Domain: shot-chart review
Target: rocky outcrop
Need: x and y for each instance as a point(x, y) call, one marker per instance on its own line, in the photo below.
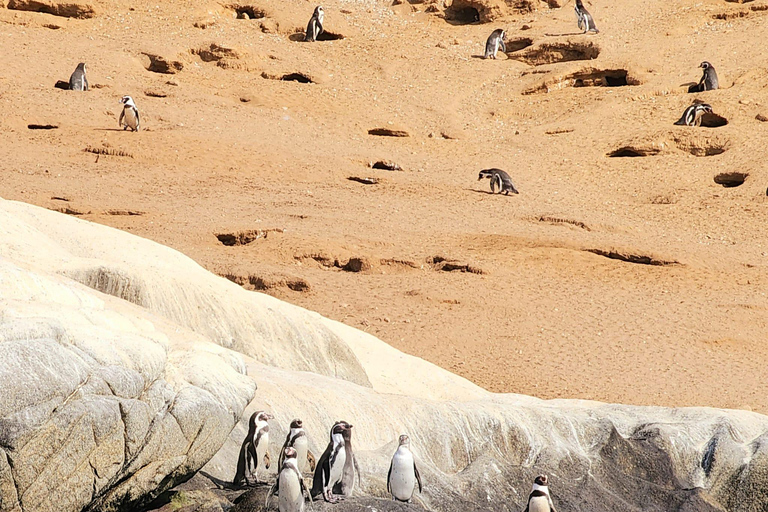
point(64, 9)
point(118, 379)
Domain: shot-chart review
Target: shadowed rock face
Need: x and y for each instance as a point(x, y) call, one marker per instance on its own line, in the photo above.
point(117, 381)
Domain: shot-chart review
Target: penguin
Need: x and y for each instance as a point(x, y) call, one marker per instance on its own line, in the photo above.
point(315, 25)
point(289, 485)
point(586, 22)
point(347, 484)
point(330, 467)
point(297, 439)
point(693, 114)
point(539, 500)
point(708, 80)
point(77, 81)
point(500, 180)
point(129, 117)
point(403, 474)
point(494, 42)
point(254, 448)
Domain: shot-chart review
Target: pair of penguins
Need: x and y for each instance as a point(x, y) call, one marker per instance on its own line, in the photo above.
point(337, 466)
point(129, 117)
point(496, 39)
point(692, 116)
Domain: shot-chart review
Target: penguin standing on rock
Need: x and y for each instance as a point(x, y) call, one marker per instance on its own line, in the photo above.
point(500, 180)
point(77, 81)
point(289, 485)
point(494, 42)
point(693, 114)
point(330, 467)
point(297, 439)
point(254, 448)
point(403, 474)
point(708, 80)
point(539, 500)
point(347, 484)
point(586, 22)
point(129, 117)
point(315, 25)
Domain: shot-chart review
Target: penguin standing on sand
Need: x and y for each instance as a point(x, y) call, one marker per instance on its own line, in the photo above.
point(586, 22)
point(693, 114)
point(77, 81)
point(709, 81)
point(347, 484)
point(494, 42)
point(315, 25)
point(330, 467)
point(403, 474)
point(500, 180)
point(129, 117)
point(539, 500)
point(254, 449)
point(289, 485)
point(297, 439)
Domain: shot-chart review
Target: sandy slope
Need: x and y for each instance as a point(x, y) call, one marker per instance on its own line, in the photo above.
point(227, 150)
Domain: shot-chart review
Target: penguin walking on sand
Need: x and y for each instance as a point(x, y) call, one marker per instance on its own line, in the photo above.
point(254, 449)
point(330, 467)
point(693, 114)
point(297, 439)
point(586, 22)
point(539, 499)
point(500, 180)
point(77, 80)
point(494, 42)
point(129, 117)
point(289, 486)
point(709, 81)
point(315, 25)
point(403, 474)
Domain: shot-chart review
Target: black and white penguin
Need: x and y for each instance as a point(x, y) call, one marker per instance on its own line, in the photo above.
point(494, 42)
point(347, 484)
point(315, 25)
point(289, 485)
point(708, 80)
point(77, 81)
point(253, 451)
point(403, 474)
point(297, 439)
point(330, 467)
point(586, 22)
point(539, 500)
point(500, 180)
point(129, 117)
point(692, 115)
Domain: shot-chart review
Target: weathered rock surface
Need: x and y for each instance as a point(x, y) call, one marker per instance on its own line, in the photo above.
point(64, 9)
point(104, 403)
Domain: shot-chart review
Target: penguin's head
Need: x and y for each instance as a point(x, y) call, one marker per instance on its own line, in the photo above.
point(81, 66)
point(541, 480)
point(319, 9)
point(297, 423)
point(290, 453)
point(264, 416)
point(484, 174)
point(127, 100)
point(705, 65)
point(405, 440)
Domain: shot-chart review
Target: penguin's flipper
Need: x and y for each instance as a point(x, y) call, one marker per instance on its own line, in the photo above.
point(311, 460)
point(418, 476)
point(138, 120)
point(267, 460)
point(317, 479)
point(502, 46)
point(281, 457)
point(357, 468)
point(241, 464)
point(304, 490)
point(273, 490)
point(85, 83)
point(389, 476)
point(122, 114)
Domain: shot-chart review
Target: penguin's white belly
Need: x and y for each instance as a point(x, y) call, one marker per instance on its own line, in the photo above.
point(261, 450)
point(403, 477)
point(290, 498)
point(300, 445)
point(538, 504)
point(337, 469)
point(129, 119)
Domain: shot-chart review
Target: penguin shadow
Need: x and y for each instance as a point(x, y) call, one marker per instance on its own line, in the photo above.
point(229, 486)
point(300, 37)
point(564, 34)
point(488, 192)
